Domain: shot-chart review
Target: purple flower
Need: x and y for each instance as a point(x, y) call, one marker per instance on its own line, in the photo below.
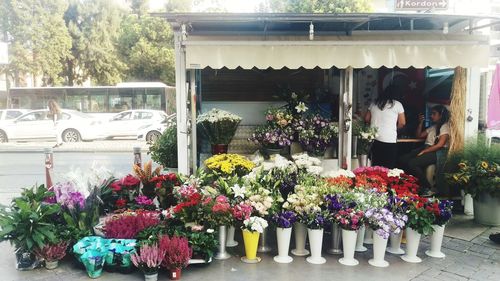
point(143, 200)
point(284, 219)
point(68, 196)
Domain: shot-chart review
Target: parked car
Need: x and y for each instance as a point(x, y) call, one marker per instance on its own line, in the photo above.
point(9, 114)
point(128, 123)
point(152, 132)
point(74, 126)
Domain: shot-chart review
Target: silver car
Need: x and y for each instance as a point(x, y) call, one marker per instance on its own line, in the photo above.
point(74, 126)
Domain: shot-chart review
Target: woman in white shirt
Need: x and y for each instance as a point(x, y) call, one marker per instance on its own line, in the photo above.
point(387, 115)
point(437, 137)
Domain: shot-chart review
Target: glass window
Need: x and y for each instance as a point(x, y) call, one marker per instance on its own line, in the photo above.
point(153, 99)
point(120, 100)
point(34, 116)
point(11, 114)
point(77, 102)
point(138, 99)
point(98, 103)
point(143, 115)
point(123, 116)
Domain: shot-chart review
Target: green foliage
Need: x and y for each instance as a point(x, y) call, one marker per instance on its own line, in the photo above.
point(80, 222)
point(164, 150)
point(146, 45)
point(38, 38)
point(94, 28)
point(315, 6)
point(420, 220)
point(476, 168)
point(27, 223)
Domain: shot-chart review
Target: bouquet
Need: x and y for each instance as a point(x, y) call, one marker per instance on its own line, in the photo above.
point(441, 210)
point(476, 177)
point(272, 136)
point(420, 218)
point(284, 219)
point(280, 117)
point(219, 125)
point(384, 222)
point(315, 133)
point(227, 165)
point(242, 211)
point(255, 224)
point(366, 135)
point(165, 189)
point(307, 164)
point(349, 219)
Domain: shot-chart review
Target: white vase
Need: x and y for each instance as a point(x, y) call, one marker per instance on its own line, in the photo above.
point(300, 240)
point(395, 244)
point(283, 236)
point(316, 243)
point(151, 277)
point(379, 245)
point(436, 241)
point(360, 239)
point(230, 242)
point(349, 244)
point(368, 236)
point(468, 205)
point(412, 242)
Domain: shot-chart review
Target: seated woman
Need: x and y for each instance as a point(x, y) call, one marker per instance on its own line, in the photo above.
point(437, 138)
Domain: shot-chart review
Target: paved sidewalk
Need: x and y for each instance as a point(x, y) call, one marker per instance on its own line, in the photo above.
point(86, 146)
point(465, 260)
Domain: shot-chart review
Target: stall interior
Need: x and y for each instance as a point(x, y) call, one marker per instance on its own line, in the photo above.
point(250, 92)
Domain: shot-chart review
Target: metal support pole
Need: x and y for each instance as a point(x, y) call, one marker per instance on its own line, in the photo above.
point(137, 156)
point(181, 105)
point(49, 165)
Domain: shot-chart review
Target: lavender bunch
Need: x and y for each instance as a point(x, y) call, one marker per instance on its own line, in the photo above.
point(284, 219)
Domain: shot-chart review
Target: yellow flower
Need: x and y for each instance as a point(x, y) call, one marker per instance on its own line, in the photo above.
point(484, 164)
point(462, 165)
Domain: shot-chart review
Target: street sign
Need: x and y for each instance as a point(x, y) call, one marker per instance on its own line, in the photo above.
point(421, 4)
point(4, 55)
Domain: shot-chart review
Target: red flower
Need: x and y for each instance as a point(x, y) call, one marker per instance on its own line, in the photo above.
point(115, 186)
point(130, 180)
point(120, 203)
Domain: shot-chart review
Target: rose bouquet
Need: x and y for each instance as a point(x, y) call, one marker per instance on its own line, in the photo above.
point(315, 133)
point(242, 211)
point(219, 125)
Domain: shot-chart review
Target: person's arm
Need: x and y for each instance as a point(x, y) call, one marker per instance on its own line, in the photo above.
point(421, 133)
point(401, 120)
point(368, 117)
point(441, 142)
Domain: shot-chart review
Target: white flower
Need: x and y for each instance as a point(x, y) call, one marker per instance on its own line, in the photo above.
point(301, 107)
point(238, 191)
point(338, 173)
point(294, 96)
point(315, 170)
point(210, 230)
point(395, 172)
point(255, 224)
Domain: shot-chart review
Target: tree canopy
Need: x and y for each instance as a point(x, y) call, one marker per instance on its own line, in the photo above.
point(315, 6)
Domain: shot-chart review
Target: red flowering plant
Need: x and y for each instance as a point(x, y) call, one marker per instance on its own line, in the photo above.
point(420, 214)
point(401, 183)
point(188, 208)
point(123, 192)
point(165, 189)
point(441, 209)
point(218, 211)
point(372, 178)
point(177, 252)
point(241, 212)
point(128, 225)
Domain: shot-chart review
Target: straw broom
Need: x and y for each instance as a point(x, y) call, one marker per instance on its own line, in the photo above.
point(457, 109)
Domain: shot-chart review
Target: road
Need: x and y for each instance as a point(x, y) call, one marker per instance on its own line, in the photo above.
point(24, 169)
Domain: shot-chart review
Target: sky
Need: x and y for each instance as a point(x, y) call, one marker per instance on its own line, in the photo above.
point(232, 6)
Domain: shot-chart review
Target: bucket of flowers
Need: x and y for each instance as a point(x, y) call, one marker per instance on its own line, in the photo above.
point(148, 260)
point(315, 133)
point(252, 228)
point(52, 253)
point(219, 126)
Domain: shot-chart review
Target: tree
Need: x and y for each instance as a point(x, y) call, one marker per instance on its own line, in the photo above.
point(146, 45)
point(94, 28)
point(38, 39)
point(315, 6)
point(139, 7)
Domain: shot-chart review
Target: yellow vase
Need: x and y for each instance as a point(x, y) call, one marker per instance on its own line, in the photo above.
point(251, 240)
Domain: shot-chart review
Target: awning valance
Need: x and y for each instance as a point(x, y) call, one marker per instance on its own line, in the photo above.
point(357, 56)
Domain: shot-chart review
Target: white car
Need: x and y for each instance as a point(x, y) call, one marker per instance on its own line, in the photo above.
point(128, 123)
point(152, 132)
point(9, 114)
point(74, 126)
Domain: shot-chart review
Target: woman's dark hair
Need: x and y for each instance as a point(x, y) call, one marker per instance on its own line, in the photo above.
point(387, 96)
point(445, 116)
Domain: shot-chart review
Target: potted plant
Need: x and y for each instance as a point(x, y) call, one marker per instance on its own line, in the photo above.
point(219, 126)
point(177, 255)
point(383, 222)
point(146, 175)
point(28, 224)
point(315, 222)
point(164, 150)
point(252, 228)
point(442, 214)
point(148, 260)
point(52, 253)
point(315, 134)
point(350, 221)
point(284, 221)
point(419, 223)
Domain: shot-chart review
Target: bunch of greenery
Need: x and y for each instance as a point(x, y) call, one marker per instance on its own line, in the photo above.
point(164, 150)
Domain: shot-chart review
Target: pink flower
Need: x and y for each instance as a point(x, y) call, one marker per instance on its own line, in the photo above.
point(221, 199)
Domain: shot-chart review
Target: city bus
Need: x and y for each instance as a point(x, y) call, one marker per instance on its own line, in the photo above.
point(98, 100)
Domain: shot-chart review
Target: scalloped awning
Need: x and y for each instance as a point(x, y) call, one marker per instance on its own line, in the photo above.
point(357, 56)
